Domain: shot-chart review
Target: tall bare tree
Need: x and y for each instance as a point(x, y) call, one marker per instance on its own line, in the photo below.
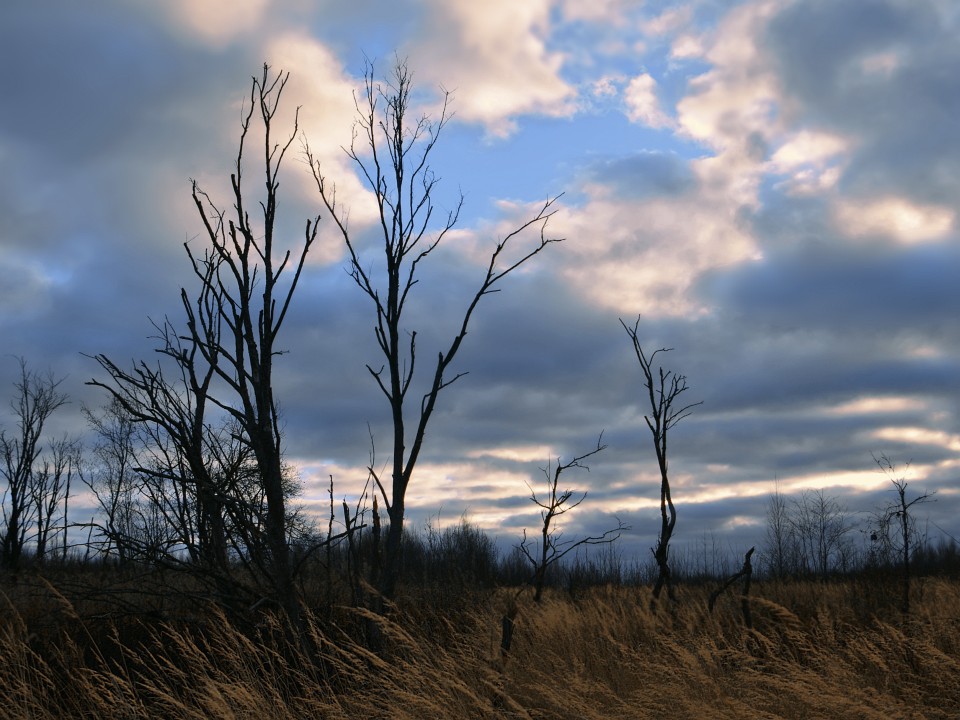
point(225, 359)
point(36, 398)
point(393, 157)
point(664, 388)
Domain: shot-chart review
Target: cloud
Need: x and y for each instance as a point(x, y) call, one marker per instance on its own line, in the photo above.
point(323, 94)
point(731, 107)
point(649, 228)
point(812, 161)
point(220, 21)
point(669, 21)
point(93, 79)
point(643, 106)
point(640, 176)
point(875, 70)
point(606, 86)
point(781, 210)
point(898, 218)
point(596, 11)
point(496, 59)
point(686, 47)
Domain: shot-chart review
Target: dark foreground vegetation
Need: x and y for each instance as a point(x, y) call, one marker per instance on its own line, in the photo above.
point(94, 640)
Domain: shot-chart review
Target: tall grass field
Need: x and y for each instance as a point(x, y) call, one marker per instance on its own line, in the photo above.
point(816, 650)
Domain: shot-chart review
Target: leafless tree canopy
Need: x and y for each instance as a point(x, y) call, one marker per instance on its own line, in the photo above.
point(210, 408)
point(807, 535)
point(391, 150)
point(36, 484)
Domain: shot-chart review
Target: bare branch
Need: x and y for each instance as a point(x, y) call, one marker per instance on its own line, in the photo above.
point(551, 548)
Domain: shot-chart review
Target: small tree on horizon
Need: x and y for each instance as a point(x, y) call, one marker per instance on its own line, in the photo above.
point(898, 513)
point(551, 548)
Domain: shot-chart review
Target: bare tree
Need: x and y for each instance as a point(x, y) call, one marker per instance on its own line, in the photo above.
point(50, 493)
point(36, 398)
point(112, 478)
point(551, 547)
point(898, 512)
point(778, 536)
point(664, 388)
point(171, 412)
point(820, 525)
point(166, 463)
point(397, 171)
point(225, 359)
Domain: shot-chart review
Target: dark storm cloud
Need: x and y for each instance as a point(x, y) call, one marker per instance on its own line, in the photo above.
point(111, 115)
point(87, 78)
point(534, 360)
point(91, 132)
point(903, 116)
point(827, 283)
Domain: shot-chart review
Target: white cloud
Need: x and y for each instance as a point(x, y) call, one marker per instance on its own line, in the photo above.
point(515, 453)
point(904, 221)
point(862, 480)
point(811, 160)
point(494, 56)
point(919, 436)
point(686, 47)
point(643, 106)
point(667, 22)
point(606, 86)
point(877, 405)
point(733, 106)
point(645, 255)
point(320, 86)
point(597, 11)
point(807, 147)
point(218, 22)
point(883, 63)
point(325, 92)
point(455, 485)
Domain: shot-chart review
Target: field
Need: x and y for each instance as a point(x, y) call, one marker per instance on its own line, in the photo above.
point(817, 650)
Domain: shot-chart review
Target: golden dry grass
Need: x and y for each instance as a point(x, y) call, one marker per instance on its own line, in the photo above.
point(813, 653)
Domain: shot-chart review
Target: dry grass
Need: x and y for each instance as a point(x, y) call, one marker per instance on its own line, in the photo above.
point(814, 653)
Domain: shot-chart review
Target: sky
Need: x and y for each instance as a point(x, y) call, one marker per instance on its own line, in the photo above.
point(769, 186)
